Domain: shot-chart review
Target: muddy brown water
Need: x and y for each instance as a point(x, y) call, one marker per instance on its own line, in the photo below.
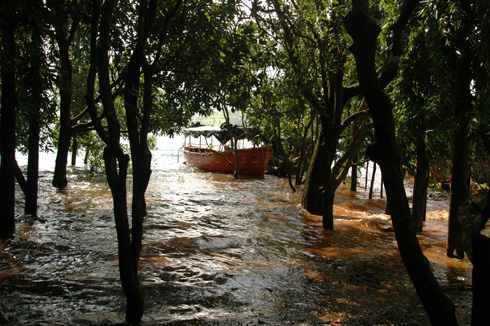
point(219, 251)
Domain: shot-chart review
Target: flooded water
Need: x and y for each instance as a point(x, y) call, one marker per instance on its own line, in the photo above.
point(218, 251)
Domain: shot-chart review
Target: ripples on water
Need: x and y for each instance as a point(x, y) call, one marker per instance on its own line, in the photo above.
point(216, 251)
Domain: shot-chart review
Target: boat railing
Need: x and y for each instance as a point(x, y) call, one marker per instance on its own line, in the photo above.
point(205, 150)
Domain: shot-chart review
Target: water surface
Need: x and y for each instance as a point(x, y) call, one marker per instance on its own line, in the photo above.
point(218, 251)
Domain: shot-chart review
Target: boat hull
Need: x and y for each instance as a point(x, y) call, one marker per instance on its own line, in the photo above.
point(252, 161)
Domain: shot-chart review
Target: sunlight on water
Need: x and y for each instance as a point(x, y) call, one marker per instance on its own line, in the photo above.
point(216, 251)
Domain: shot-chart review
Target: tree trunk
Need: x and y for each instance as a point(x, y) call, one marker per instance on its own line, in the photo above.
point(421, 182)
point(302, 155)
point(328, 201)
point(312, 199)
point(381, 184)
point(65, 88)
point(32, 164)
point(116, 161)
point(367, 174)
point(319, 190)
point(141, 174)
point(327, 183)
point(127, 269)
point(234, 148)
point(323, 179)
point(140, 153)
point(19, 176)
point(354, 168)
point(353, 178)
point(74, 150)
point(481, 282)
point(364, 31)
point(7, 132)
point(34, 122)
point(373, 177)
point(461, 142)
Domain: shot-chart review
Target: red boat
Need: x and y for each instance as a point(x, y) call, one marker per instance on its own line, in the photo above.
point(252, 161)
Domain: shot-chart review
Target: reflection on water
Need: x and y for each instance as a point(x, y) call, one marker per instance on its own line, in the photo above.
point(217, 251)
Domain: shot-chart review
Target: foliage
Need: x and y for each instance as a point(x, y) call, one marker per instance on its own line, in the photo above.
point(423, 93)
point(32, 29)
point(94, 149)
point(305, 68)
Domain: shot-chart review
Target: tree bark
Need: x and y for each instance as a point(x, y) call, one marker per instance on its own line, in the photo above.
point(323, 179)
point(34, 120)
point(421, 182)
point(312, 192)
point(461, 142)
point(319, 192)
point(134, 311)
point(366, 177)
point(353, 178)
point(364, 31)
point(373, 177)
point(481, 282)
point(7, 132)
point(65, 89)
point(302, 154)
point(74, 150)
point(116, 161)
point(116, 172)
point(33, 164)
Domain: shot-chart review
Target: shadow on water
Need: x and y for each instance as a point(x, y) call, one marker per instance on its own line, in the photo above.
point(218, 251)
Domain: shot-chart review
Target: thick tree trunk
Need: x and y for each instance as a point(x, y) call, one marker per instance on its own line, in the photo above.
point(459, 195)
point(421, 182)
point(327, 181)
point(364, 32)
point(323, 179)
point(312, 199)
point(477, 246)
point(7, 132)
point(319, 190)
point(328, 201)
point(474, 218)
point(481, 281)
point(461, 144)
